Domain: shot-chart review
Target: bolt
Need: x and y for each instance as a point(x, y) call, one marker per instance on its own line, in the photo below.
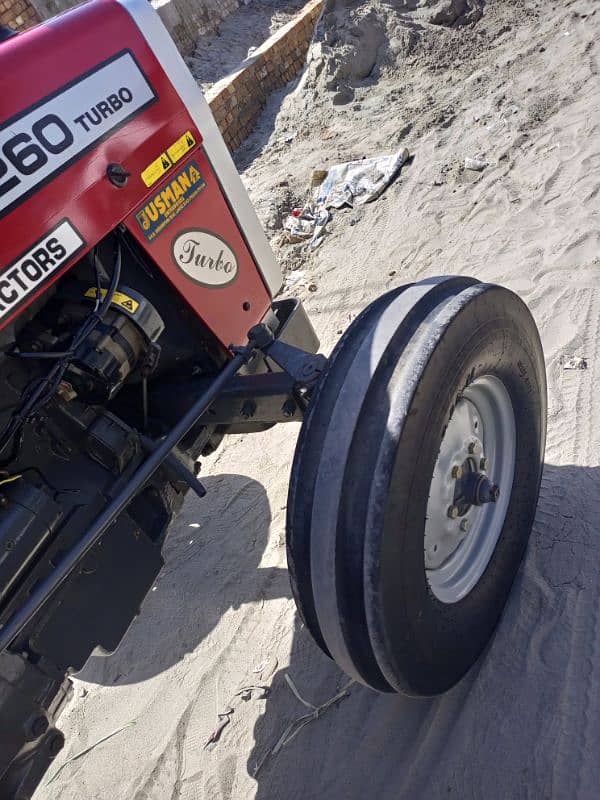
point(248, 409)
point(483, 464)
point(475, 448)
point(494, 493)
point(457, 472)
point(453, 512)
point(289, 408)
point(465, 524)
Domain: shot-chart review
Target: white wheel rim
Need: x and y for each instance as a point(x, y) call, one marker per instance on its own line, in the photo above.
point(458, 549)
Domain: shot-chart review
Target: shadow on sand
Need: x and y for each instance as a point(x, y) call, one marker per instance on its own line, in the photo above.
point(520, 725)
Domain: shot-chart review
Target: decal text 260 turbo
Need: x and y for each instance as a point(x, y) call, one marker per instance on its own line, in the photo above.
point(46, 138)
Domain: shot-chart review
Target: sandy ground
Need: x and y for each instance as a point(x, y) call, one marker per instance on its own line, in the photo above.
point(520, 87)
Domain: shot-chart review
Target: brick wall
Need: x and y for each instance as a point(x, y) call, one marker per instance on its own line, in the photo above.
point(18, 14)
point(237, 100)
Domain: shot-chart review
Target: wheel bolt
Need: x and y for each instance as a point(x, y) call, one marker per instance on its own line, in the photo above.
point(483, 464)
point(475, 448)
point(453, 512)
point(457, 472)
point(465, 524)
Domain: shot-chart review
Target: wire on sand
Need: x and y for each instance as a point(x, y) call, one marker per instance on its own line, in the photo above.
point(87, 750)
point(294, 728)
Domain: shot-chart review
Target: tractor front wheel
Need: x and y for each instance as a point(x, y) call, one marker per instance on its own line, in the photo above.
point(415, 482)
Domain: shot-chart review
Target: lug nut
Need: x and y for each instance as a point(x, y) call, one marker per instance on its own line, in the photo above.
point(457, 472)
point(475, 448)
point(465, 524)
point(453, 512)
point(483, 464)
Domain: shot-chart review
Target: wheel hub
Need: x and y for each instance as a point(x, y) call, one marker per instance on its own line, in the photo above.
point(467, 507)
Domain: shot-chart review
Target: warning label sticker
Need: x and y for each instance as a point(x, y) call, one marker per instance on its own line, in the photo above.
point(170, 200)
point(182, 146)
point(118, 299)
point(155, 171)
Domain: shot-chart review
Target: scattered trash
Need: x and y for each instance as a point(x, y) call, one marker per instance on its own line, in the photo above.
point(86, 750)
point(306, 223)
point(349, 184)
point(289, 139)
point(294, 278)
point(358, 182)
point(224, 717)
point(476, 164)
point(318, 176)
point(575, 362)
point(312, 287)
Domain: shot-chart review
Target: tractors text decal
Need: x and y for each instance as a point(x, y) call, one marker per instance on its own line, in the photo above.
point(46, 138)
point(205, 258)
point(37, 266)
point(170, 200)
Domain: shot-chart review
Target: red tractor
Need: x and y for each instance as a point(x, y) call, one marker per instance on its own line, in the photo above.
point(139, 326)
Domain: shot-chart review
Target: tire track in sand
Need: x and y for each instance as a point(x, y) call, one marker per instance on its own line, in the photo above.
point(575, 775)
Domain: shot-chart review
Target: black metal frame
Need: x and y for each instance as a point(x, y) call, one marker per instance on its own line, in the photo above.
point(275, 397)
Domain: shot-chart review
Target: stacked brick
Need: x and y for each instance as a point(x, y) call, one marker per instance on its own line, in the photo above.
point(17, 14)
point(237, 100)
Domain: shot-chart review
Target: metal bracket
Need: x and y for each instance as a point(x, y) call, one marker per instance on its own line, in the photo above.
point(305, 368)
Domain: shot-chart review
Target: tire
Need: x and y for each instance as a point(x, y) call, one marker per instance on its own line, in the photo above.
point(306, 461)
point(369, 508)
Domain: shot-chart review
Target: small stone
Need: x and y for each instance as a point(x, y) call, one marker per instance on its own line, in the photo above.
point(312, 287)
point(476, 164)
point(392, 273)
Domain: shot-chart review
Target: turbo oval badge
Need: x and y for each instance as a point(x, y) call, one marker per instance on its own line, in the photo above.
point(205, 258)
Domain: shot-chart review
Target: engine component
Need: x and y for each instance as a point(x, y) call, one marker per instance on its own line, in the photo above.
point(122, 341)
point(31, 702)
point(28, 517)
